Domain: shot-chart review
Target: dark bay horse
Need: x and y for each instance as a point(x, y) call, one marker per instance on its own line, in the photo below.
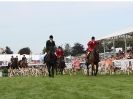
point(50, 59)
point(60, 66)
point(13, 64)
point(93, 60)
point(22, 64)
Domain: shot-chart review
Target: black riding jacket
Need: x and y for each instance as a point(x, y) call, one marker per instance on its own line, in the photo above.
point(50, 46)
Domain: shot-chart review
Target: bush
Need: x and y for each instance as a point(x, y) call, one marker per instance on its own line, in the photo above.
point(4, 72)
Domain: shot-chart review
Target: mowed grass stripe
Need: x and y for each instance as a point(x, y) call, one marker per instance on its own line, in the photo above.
point(67, 87)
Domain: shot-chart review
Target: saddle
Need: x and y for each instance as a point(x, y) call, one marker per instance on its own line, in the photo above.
point(90, 56)
point(50, 57)
point(93, 57)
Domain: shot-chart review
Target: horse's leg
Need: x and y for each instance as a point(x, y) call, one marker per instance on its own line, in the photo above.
point(56, 68)
point(52, 70)
point(59, 68)
point(96, 69)
point(49, 67)
point(87, 68)
point(92, 69)
point(62, 67)
point(61, 71)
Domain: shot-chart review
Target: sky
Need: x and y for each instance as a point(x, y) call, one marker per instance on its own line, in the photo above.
point(29, 24)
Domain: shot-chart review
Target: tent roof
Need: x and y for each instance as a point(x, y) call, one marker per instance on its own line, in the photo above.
point(118, 33)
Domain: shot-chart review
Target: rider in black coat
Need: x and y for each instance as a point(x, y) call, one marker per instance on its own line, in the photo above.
point(50, 45)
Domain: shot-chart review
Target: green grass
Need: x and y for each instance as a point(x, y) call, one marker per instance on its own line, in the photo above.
point(67, 87)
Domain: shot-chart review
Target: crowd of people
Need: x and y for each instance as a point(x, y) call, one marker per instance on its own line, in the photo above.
point(125, 55)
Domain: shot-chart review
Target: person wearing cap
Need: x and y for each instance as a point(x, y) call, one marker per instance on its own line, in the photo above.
point(12, 59)
point(16, 62)
point(91, 45)
point(59, 54)
point(50, 45)
point(24, 59)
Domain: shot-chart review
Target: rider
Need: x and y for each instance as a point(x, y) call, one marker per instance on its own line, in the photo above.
point(91, 45)
point(59, 52)
point(12, 59)
point(24, 59)
point(16, 62)
point(50, 45)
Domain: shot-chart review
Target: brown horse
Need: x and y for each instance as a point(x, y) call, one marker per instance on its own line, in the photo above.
point(93, 60)
point(60, 66)
point(22, 64)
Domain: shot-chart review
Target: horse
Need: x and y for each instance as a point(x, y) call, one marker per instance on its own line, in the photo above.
point(22, 64)
point(60, 66)
point(93, 60)
point(50, 59)
point(13, 64)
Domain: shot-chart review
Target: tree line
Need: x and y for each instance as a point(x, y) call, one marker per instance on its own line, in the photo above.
point(77, 48)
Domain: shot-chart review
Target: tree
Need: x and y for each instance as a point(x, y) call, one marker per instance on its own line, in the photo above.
point(77, 49)
point(108, 46)
point(25, 50)
point(8, 50)
point(101, 47)
point(67, 50)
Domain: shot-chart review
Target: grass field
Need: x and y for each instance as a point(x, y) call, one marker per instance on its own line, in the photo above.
point(67, 87)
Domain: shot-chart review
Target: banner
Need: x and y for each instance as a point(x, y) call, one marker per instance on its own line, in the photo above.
point(123, 63)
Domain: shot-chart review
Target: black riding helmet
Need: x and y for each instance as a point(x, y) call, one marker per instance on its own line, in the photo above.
point(51, 36)
point(93, 38)
point(59, 46)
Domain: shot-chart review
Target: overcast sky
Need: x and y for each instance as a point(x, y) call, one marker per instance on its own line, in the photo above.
point(29, 24)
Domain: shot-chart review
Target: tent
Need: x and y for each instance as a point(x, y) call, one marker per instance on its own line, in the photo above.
point(128, 31)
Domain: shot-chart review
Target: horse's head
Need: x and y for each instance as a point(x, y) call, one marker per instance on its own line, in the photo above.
point(50, 57)
point(22, 63)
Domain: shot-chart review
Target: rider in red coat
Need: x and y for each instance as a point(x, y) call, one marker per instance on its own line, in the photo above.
point(59, 52)
point(91, 45)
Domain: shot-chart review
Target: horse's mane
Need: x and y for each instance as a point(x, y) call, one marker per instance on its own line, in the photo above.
point(50, 57)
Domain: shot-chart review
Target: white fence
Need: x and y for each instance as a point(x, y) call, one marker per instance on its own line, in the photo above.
point(123, 63)
point(5, 58)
